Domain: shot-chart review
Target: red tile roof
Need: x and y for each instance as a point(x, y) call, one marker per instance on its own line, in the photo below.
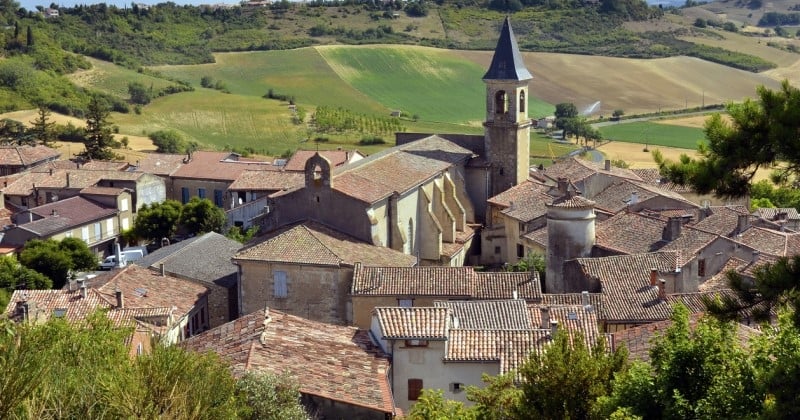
point(158, 163)
point(336, 157)
point(617, 196)
point(330, 361)
point(460, 282)
point(314, 243)
point(26, 155)
point(221, 166)
point(415, 323)
point(251, 180)
point(69, 213)
point(782, 244)
point(576, 169)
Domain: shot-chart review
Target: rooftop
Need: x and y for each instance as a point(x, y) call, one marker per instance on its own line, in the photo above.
point(205, 258)
point(66, 214)
point(259, 180)
point(26, 155)
point(221, 166)
point(507, 62)
point(414, 323)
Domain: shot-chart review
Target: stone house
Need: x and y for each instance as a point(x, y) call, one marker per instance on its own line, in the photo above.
point(339, 371)
point(249, 194)
point(421, 286)
point(307, 270)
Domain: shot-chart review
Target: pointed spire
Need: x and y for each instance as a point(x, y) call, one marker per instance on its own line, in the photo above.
point(507, 62)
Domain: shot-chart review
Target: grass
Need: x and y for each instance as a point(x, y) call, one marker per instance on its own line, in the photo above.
point(654, 134)
point(113, 79)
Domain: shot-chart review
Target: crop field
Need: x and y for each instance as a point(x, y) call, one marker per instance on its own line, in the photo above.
point(113, 79)
point(654, 134)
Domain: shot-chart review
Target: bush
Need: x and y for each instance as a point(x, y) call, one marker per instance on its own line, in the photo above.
point(367, 141)
point(168, 141)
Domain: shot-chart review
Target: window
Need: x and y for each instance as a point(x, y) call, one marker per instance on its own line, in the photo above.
point(520, 251)
point(522, 101)
point(405, 303)
point(184, 195)
point(109, 227)
point(123, 204)
point(416, 343)
point(125, 223)
point(98, 231)
point(414, 389)
point(218, 198)
point(500, 102)
point(280, 288)
point(68, 234)
point(522, 228)
point(85, 234)
point(201, 192)
point(497, 250)
point(701, 267)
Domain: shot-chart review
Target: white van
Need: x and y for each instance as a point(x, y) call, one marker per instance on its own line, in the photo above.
point(111, 262)
point(132, 255)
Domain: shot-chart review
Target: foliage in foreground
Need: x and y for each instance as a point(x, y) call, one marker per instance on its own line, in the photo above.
point(61, 370)
point(57, 259)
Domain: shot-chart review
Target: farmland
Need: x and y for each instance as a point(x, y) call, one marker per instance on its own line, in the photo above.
point(654, 134)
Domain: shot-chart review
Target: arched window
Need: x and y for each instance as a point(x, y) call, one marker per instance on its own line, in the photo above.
point(522, 101)
point(501, 102)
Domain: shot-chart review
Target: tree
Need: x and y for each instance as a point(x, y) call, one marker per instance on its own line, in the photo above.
point(139, 93)
point(618, 113)
point(42, 129)
point(158, 220)
point(12, 132)
point(168, 141)
point(29, 37)
point(270, 397)
point(432, 405)
point(694, 373)
point(14, 275)
point(200, 215)
point(761, 133)
point(236, 233)
point(57, 259)
point(777, 357)
point(567, 378)
point(533, 261)
point(498, 399)
point(99, 138)
point(565, 110)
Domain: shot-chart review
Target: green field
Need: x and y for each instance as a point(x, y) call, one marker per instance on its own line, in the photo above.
point(655, 134)
point(113, 79)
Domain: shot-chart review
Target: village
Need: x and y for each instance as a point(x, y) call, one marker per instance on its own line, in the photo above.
point(375, 277)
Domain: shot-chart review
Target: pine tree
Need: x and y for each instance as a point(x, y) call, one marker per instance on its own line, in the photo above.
point(42, 129)
point(30, 37)
point(99, 138)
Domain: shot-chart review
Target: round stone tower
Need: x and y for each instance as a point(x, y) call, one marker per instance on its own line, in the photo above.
point(570, 235)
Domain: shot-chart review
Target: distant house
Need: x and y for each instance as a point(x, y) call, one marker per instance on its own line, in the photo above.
point(97, 216)
point(16, 159)
point(51, 13)
point(340, 372)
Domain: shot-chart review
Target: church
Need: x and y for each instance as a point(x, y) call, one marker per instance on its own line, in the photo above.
point(426, 197)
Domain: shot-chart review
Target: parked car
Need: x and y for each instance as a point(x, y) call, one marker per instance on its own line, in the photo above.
point(111, 262)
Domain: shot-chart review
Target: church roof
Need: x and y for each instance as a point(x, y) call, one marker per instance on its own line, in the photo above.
point(507, 63)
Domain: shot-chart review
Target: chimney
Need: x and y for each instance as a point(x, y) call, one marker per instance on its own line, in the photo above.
point(51, 171)
point(662, 289)
point(653, 277)
point(545, 317)
point(67, 179)
point(585, 298)
point(634, 197)
point(54, 212)
point(673, 229)
point(607, 165)
point(756, 254)
point(563, 184)
point(743, 223)
point(120, 299)
point(553, 328)
point(84, 290)
point(163, 270)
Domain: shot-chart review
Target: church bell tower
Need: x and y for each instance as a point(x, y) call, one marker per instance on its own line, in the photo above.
point(507, 126)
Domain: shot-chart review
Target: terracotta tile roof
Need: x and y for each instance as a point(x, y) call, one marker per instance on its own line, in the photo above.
point(450, 249)
point(724, 220)
point(639, 340)
point(571, 299)
point(75, 308)
point(577, 320)
point(336, 157)
point(144, 288)
point(221, 166)
point(415, 323)
point(459, 282)
point(617, 196)
point(158, 163)
point(572, 201)
point(529, 207)
point(102, 191)
point(511, 348)
point(653, 176)
point(634, 233)
point(626, 294)
point(576, 169)
point(720, 280)
point(378, 176)
point(759, 260)
point(75, 178)
point(775, 214)
point(506, 314)
point(26, 155)
point(330, 361)
point(250, 180)
point(519, 193)
point(103, 165)
point(314, 243)
point(70, 213)
point(782, 244)
point(538, 236)
point(181, 259)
